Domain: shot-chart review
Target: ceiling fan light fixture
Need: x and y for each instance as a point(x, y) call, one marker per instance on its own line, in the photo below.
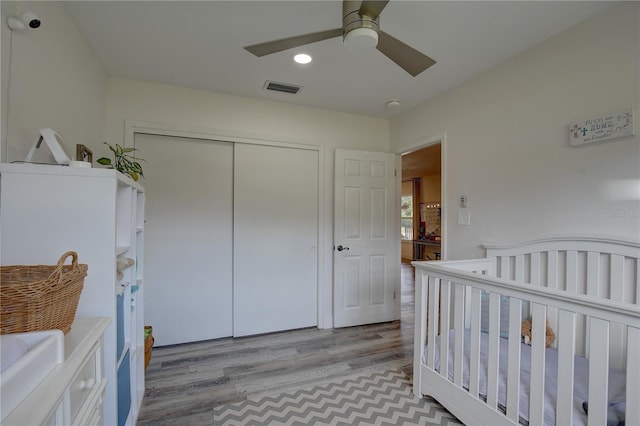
point(361, 38)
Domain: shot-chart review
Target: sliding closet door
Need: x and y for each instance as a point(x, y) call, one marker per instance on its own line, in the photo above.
point(275, 239)
point(188, 237)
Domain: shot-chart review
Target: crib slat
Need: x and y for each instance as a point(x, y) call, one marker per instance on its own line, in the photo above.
point(598, 371)
point(593, 273)
point(617, 354)
point(513, 376)
point(616, 278)
point(593, 284)
point(552, 269)
point(566, 352)
point(633, 376)
point(467, 306)
point(474, 361)
point(637, 280)
point(494, 346)
point(616, 292)
point(504, 267)
point(572, 271)
point(458, 325)
point(519, 273)
point(535, 268)
point(432, 319)
point(536, 399)
point(445, 300)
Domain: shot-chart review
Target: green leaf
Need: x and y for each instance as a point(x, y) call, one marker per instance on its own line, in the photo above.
point(128, 149)
point(136, 167)
point(133, 175)
point(104, 161)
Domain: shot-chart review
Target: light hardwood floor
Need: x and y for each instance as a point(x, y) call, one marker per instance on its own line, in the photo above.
point(185, 382)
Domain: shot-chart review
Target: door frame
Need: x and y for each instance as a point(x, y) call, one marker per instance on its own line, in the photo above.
point(133, 127)
point(416, 146)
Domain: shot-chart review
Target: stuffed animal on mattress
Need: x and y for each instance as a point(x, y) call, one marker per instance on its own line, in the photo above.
point(526, 333)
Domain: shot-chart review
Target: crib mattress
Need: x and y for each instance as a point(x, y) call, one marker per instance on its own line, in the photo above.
point(617, 380)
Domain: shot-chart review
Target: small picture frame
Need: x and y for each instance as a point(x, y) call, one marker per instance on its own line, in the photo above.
point(84, 154)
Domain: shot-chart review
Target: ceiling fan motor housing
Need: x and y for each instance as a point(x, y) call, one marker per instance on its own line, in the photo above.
point(359, 31)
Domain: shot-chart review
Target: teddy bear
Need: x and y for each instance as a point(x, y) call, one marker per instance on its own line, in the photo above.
point(526, 333)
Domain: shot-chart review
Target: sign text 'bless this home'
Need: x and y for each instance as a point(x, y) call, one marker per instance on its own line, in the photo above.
point(603, 128)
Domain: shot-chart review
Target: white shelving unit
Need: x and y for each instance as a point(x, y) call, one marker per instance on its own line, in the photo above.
point(99, 213)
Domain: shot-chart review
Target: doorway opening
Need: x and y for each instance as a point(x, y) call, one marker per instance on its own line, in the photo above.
point(421, 204)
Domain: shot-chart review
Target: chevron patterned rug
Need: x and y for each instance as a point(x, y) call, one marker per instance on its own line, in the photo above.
point(377, 399)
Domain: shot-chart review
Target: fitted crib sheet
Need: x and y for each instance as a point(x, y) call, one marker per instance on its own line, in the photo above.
point(617, 379)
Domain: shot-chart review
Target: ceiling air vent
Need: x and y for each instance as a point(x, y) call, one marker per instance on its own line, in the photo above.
point(282, 87)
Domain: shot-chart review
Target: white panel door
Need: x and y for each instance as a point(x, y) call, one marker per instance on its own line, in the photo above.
point(275, 239)
point(366, 238)
point(188, 237)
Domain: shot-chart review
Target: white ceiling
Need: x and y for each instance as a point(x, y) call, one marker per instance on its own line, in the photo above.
point(200, 45)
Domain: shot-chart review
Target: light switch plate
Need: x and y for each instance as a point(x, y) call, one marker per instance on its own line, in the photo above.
point(464, 217)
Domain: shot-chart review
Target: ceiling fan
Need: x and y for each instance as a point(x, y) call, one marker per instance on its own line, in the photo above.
point(361, 29)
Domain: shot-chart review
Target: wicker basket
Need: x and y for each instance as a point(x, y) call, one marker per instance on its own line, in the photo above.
point(148, 345)
point(40, 297)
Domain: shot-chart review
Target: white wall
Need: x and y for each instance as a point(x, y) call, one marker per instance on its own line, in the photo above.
point(55, 81)
point(244, 117)
point(507, 139)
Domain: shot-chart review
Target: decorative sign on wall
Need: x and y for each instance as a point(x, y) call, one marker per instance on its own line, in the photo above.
point(603, 128)
point(432, 214)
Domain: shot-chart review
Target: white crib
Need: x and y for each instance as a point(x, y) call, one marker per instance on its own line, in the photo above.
point(586, 289)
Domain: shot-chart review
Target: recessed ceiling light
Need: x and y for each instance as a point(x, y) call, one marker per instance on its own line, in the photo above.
point(302, 58)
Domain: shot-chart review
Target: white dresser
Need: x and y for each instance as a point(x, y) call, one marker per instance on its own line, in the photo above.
point(73, 393)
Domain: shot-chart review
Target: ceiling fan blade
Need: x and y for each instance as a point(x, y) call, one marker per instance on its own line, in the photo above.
point(372, 8)
point(405, 56)
point(274, 46)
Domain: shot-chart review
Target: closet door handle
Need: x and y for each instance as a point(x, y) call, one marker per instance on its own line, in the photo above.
point(340, 248)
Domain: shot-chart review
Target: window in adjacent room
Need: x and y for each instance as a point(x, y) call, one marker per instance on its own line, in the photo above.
point(406, 217)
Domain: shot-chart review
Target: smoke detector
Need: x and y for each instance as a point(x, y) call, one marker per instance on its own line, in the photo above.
point(393, 104)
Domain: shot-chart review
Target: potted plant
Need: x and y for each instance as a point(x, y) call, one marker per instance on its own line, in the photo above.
point(124, 161)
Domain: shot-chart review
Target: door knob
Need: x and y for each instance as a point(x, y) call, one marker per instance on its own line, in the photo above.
point(340, 248)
